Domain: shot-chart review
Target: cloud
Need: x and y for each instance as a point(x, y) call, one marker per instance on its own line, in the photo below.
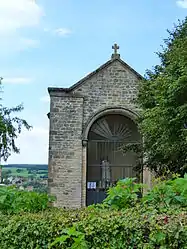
point(17, 80)
point(18, 14)
point(62, 32)
point(33, 146)
point(45, 99)
point(15, 17)
point(182, 3)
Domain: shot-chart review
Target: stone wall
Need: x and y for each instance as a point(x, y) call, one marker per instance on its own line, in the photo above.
point(65, 150)
point(114, 86)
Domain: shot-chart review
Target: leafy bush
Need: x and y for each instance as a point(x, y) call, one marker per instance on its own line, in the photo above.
point(35, 230)
point(138, 227)
point(168, 193)
point(163, 195)
point(77, 239)
point(158, 220)
point(124, 194)
point(19, 170)
point(15, 201)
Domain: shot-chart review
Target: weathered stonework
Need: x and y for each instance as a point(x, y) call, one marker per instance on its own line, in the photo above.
point(111, 87)
point(65, 150)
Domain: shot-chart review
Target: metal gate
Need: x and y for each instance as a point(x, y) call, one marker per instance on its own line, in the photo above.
point(106, 163)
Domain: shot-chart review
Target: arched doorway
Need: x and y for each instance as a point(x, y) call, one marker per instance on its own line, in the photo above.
point(106, 163)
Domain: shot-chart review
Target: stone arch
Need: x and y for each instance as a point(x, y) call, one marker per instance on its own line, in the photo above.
point(105, 111)
point(101, 113)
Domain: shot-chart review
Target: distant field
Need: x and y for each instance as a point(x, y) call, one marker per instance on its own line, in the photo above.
point(28, 166)
point(25, 173)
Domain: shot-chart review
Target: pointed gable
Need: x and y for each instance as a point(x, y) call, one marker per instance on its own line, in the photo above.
point(115, 59)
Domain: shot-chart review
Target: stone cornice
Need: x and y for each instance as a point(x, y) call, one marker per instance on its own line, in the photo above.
point(62, 92)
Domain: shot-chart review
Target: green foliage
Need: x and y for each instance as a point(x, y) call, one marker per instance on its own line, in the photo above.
point(36, 230)
point(25, 172)
point(73, 237)
point(10, 127)
point(14, 201)
point(37, 186)
point(124, 194)
point(166, 194)
point(163, 100)
point(133, 228)
point(158, 221)
point(19, 170)
point(6, 173)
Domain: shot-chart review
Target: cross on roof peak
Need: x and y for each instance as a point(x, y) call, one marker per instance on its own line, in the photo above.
point(115, 55)
point(115, 47)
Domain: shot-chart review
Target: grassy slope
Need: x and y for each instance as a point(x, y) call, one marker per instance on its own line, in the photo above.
point(23, 173)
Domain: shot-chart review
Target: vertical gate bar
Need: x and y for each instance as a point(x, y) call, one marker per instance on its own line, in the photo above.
point(104, 150)
point(111, 162)
point(96, 150)
point(130, 170)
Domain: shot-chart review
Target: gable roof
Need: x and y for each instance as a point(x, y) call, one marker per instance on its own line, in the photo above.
point(80, 82)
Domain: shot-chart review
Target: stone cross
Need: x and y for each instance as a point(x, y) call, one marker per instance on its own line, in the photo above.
point(115, 47)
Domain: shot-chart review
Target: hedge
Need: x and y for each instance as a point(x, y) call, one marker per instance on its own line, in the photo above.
point(124, 220)
point(14, 201)
point(138, 227)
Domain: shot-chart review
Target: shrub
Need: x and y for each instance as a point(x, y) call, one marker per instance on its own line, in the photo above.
point(138, 227)
point(168, 193)
point(163, 195)
point(15, 201)
point(35, 230)
point(159, 220)
point(124, 195)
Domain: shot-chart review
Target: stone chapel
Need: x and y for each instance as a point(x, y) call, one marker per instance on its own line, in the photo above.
point(89, 122)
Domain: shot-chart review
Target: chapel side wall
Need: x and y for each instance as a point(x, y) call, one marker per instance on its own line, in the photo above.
point(114, 86)
point(65, 150)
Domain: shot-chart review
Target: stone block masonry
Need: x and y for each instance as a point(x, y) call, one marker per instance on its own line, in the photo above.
point(113, 85)
point(65, 150)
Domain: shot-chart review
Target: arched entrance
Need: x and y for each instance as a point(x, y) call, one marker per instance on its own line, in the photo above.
point(106, 163)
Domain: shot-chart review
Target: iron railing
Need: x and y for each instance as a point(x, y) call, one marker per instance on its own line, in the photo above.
point(98, 178)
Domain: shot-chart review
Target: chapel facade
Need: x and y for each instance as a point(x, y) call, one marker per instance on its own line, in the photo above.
point(89, 122)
